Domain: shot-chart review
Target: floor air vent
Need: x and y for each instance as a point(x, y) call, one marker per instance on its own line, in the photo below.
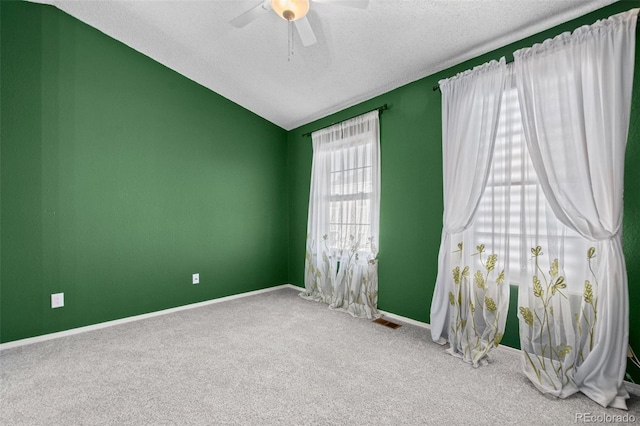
point(386, 323)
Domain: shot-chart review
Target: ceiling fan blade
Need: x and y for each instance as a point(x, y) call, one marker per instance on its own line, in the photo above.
point(360, 4)
point(251, 14)
point(305, 31)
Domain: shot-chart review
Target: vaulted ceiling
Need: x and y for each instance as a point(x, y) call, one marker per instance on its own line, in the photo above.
point(360, 53)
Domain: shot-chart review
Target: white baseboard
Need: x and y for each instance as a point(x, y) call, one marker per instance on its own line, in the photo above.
point(50, 336)
point(293, 286)
point(405, 319)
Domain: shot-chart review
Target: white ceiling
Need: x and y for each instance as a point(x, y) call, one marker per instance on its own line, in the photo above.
point(360, 53)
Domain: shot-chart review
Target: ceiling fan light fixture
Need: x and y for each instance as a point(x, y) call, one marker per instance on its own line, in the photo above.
point(290, 10)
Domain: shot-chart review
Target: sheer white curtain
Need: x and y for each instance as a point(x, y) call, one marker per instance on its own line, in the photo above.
point(575, 97)
point(341, 267)
point(469, 303)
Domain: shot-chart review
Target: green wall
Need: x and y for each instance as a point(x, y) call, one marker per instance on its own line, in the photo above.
point(120, 178)
point(411, 203)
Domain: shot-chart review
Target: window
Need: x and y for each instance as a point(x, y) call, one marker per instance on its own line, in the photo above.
point(513, 205)
point(344, 206)
point(351, 195)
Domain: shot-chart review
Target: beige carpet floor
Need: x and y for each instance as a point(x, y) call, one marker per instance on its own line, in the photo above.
point(269, 359)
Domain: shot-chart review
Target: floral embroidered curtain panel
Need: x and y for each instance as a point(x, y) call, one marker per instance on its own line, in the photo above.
point(344, 214)
point(470, 302)
point(561, 194)
point(575, 97)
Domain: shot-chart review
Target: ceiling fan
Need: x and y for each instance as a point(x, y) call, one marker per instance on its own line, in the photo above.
point(292, 11)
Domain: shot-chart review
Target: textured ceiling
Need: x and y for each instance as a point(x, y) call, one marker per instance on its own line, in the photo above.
point(360, 53)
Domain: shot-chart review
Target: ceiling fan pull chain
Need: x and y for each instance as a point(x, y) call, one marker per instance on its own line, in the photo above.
point(290, 37)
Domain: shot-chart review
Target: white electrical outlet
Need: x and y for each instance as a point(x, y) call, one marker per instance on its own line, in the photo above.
point(57, 300)
point(195, 279)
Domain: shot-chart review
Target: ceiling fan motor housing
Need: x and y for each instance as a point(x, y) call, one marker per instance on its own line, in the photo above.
point(290, 10)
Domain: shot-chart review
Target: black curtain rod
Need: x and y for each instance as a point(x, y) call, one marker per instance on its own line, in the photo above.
point(379, 109)
point(437, 86)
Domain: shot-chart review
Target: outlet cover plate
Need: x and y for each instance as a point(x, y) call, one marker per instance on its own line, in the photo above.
point(57, 300)
point(195, 279)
